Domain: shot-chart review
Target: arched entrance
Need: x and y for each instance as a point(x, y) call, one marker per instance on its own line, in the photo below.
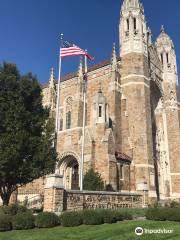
point(69, 168)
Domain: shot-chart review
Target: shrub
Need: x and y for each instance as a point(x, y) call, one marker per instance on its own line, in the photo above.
point(123, 214)
point(174, 204)
point(109, 216)
point(71, 219)
point(5, 223)
point(173, 214)
point(119, 216)
point(14, 209)
point(134, 213)
point(109, 188)
point(23, 221)
point(46, 220)
point(93, 181)
point(162, 214)
point(92, 217)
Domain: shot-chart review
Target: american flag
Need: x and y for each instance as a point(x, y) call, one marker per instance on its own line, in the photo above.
point(69, 49)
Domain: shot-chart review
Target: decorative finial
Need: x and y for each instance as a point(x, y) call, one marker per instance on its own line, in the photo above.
point(114, 57)
point(62, 36)
point(162, 29)
point(80, 69)
point(51, 80)
point(52, 72)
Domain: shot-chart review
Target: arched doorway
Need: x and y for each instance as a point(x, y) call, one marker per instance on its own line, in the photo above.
point(69, 168)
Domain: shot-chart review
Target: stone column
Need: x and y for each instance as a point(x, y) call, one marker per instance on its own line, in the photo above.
point(54, 194)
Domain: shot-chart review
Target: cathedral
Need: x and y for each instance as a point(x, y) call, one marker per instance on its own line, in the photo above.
point(132, 132)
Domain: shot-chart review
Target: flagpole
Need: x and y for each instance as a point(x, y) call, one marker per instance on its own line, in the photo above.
point(58, 96)
point(83, 129)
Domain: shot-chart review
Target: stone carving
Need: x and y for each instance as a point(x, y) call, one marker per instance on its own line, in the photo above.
point(172, 100)
point(93, 200)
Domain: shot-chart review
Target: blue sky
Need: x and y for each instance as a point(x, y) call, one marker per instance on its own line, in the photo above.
point(30, 29)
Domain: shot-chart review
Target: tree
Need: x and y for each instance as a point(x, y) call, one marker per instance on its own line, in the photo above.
point(26, 139)
point(93, 181)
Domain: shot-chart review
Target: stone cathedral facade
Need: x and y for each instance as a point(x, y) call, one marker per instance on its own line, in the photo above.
point(132, 134)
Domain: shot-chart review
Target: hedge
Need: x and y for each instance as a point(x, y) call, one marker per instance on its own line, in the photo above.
point(47, 220)
point(5, 223)
point(23, 221)
point(109, 216)
point(92, 217)
point(163, 214)
point(14, 209)
point(71, 219)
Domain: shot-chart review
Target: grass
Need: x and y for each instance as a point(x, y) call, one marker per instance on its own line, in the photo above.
point(118, 231)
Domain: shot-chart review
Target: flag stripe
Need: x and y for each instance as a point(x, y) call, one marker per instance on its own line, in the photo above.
point(72, 50)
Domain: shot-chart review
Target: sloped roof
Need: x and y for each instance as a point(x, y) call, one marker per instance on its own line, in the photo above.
point(75, 74)
point(121, 157)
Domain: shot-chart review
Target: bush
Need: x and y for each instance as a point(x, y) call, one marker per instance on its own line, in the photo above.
point(109, 216)
point(163, 214)
point(133, 213)
point(123, 214)
point(47, 220)
point(92, 217)
point(5, 223)
point(174, 204)
point(174, 214)
point(71, 219)
point(93, 181)
point(14, 209)
point(23, 221)
point(119, 216)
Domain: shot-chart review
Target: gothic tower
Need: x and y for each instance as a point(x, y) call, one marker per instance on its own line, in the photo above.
point(167, 56)
point(135, 83)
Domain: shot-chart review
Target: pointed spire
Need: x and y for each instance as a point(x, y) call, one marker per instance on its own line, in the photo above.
point(149, 37)
point(80, 69)
point(52, 79)
point(132, 4)
point(162, 29)
point(114, 57)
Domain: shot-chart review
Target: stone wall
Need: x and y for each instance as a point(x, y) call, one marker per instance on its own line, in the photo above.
point(58, 200)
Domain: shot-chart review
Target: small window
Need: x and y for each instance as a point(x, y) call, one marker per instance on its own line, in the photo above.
point(162, 59)
point(110, 123)
point(135, 24)
point(68, 120)
point(167, 57)
point(121, 173)
point(61, 124)
point(127, 21)
point(100, 111)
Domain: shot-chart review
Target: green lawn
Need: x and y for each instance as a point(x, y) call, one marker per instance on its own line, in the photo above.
point(118, 231)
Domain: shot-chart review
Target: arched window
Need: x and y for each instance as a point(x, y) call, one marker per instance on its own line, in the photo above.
point(61, 124)
point(127, 22)
point(167, 57)
point(135, 23)
point(162, 59)
point(68, 120)
point(69, 103)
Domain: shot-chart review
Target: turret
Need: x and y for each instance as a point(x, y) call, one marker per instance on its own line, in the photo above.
point(132, 28)
point(167, 56)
